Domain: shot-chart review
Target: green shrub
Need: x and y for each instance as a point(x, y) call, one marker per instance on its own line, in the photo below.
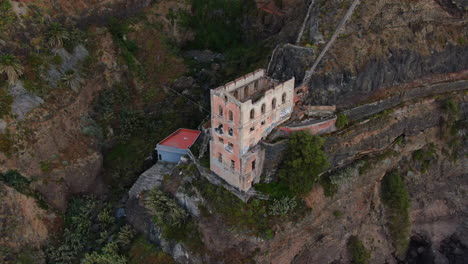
point(142, 251)
point(56, 60)
point(88, 227)
point(6, 14)
point(128, 48)
point(365, 167)
point(359, 253)
point(341, 121)
point(217, 23)
point(5, 6)
point(274, 189)
point(451, 107)
point(164, 208)
point(282, 206)
point(45, 165)
point(305, 160)
point(16, 180)
point(5, 102)
point(6, 143)
point(108, 255)
point(22, 185)
point(396, 199)
point(329, 188)
point(418, 154)
point(337, 214)
point(174, 220)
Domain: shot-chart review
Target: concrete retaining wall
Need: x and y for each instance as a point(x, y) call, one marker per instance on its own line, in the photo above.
point(319, 128)
point(273, 156)
point(379, 106)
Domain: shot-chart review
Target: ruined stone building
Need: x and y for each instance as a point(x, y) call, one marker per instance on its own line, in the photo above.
point(243, 112)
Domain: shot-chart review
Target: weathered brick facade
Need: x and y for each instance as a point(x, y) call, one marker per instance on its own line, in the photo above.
point(243, 112)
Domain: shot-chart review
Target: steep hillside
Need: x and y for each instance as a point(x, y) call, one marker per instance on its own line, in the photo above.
point(383, 44)
point(91, 86)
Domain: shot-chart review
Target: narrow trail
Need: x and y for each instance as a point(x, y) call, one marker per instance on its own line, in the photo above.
point(299, 36)
point(348, 14)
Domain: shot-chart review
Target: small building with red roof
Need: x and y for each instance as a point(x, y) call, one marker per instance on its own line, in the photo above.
point(176, 145)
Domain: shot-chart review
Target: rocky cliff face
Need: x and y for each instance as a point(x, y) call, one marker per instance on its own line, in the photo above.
point(91, 139)
point(438, 209)
point(383, 44)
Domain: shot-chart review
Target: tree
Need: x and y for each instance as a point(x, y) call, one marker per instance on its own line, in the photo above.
point(305, 160)
point(56, 35)
point(341, 120)
point(11, 66)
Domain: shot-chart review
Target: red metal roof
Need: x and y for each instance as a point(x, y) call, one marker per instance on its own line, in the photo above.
point(182, 138)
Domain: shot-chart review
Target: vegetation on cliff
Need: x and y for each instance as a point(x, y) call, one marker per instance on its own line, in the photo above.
point(341, 120)
point(396, 199)
point(23, 185)
point(304, 161)
point(93, 235)
point(359, 253)
point(175, 222)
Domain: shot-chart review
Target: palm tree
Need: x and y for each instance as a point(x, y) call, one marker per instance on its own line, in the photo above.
point(56, 35)
point(11, 66)
point(72, 80)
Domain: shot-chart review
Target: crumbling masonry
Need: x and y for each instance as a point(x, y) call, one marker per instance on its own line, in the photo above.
point(243, 112)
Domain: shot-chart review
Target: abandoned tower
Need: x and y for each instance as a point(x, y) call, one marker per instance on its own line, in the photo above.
point(243, 112)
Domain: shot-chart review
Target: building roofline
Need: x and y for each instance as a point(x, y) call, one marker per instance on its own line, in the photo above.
point(177, 132)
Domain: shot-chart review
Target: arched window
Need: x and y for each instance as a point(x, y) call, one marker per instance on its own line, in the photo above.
point(273, 103)
point(231, 116)
point(283, 98)
point(220, 111)
point(230, 132)
point(246, 91)
point(236, 94)
point(263, 108)
point(252, 114)
point(225, 98)
point(255, 85)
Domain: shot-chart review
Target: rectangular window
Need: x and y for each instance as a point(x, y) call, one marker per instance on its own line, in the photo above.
point(220, 157)
point(221, 140)
point(160, 158)
point(252, 129)
point(253, 165)
point(263, 122)
point(233, 164)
